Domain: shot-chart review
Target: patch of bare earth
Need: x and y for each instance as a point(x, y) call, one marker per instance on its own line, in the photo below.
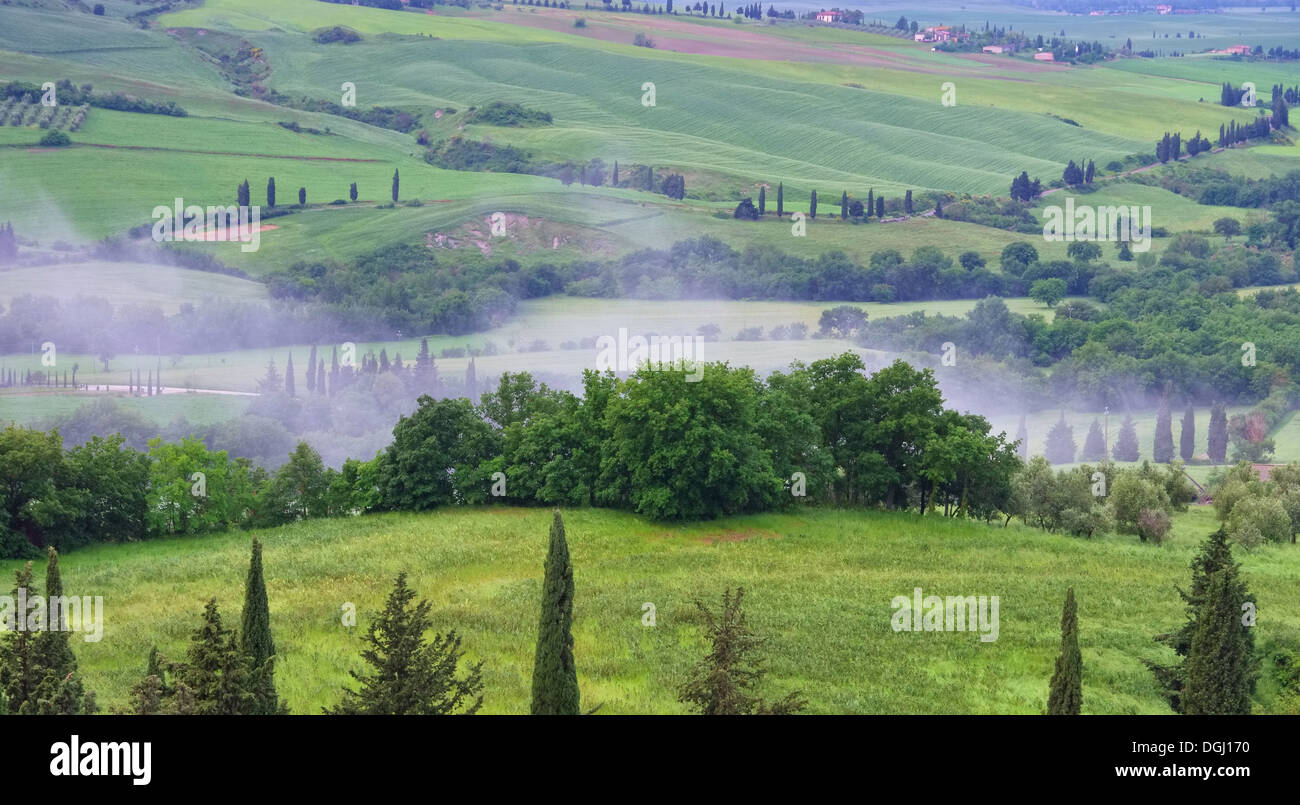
point(738, 536)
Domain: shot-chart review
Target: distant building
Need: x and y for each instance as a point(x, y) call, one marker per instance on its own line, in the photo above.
point(828, 16)
point(1046, 55)
point(940, 33)
point(1238, 50)
point(994, 49)
point(1164, 9)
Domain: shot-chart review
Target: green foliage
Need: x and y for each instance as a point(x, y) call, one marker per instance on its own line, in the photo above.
point(725, 681)
point(1226, 652)
point(437, 457)
point(1066, 691)
point(501, 113)
point(255, 636)
point(555, 675)
point(408, 674)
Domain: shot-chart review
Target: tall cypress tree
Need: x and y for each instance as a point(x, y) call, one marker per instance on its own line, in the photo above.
point(812, 205)
point(1218, 435)
point(395, 182)
point(871, 202)
point(1094, 446)
point(1213, 559)
point(907, 202)
point(1022, 436)
point(1163, 449)
point(614, 178)
point(780, 199)
point(844, 206)
point(1060, 447)
point(311, 369)
point(555, 677)
point(1065, 697)
point(288, 377)
point(19, 669)
point(270, 192)
point(1219, 679)
point(762, 200)
point(1126, 445)
point(255, 636)
point(471, 381)
point(1187, 436)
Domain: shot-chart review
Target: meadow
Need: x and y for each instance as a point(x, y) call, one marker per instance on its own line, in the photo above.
point(819, 583)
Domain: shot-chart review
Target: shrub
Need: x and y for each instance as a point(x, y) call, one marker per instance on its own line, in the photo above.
point(55, 138)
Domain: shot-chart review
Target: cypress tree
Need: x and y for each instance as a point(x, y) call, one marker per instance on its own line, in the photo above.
point(762, 200)
point(288, 377)
point(395, 181)
point(844, 206)
point(1218, 436)
point(334, 371)
point(1060, 443)
point(471, 381)
point(1163, 449)
point(270, 192)
point(255, 636)
point(722, 684)
point(871, 202)
point(880, 206)
point(320, 377)
point(1218, 678)
point(19, 668)
point(1094, 446)
point(907, 202)
point(1187, 436)
point(812, 205)
point(1213, 559)
point(216, 674)
point(780, 199)
point(411, 675)
point(352, 192)
point(311, 369)
point(60, 691)
point(1126, 445)
point(614, 178)
point(302, 197)
point(555, 677)
point(1022, 436)
point(1065, 697)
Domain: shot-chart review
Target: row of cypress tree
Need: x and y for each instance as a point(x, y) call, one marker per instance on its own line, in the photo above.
point(1061, 447)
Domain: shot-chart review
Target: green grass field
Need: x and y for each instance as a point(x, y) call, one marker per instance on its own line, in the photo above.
point(126, 283)
point(818, 583)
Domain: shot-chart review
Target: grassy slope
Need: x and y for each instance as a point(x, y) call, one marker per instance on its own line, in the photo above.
point(819, 584)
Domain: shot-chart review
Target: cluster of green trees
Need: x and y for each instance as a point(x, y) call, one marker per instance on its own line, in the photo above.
point(732, 443)
point(70, 94)
point(1089, 500)
point(1255, 511)
point(38, 670)
point(1177, 324)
